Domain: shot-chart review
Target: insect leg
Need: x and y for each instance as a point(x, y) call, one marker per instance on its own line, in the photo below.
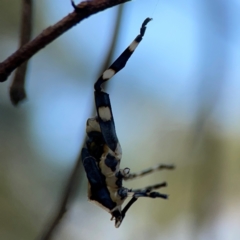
point(105, 118)
point(150, 188)
point(102, 100)
point(149, 170)
point(121, 61)
point(150, 194)
point(142, 193)
point(118, 221)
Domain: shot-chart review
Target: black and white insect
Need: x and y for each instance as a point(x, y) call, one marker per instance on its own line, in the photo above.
point(102, 153)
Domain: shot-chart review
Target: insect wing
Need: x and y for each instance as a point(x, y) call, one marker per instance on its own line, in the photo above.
point(98, 190)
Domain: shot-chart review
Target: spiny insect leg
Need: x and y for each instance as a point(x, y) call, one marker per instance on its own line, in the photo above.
point(128, 205)
point(150, 194)
point(142, 193)
point(150, 170)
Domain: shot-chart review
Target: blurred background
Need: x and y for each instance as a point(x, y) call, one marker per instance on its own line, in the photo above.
point(175, 102)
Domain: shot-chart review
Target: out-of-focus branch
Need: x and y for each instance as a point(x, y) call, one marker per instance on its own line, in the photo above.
point(85, 9)
point(74, 177)
point(63, 203)
point(17, 89)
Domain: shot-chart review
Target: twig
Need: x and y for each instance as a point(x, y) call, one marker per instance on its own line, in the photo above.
point(67, 195)
point(51, 33)
point(17, 89)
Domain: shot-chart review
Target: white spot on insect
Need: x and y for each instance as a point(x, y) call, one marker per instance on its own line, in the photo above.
point(93, 125)
point(133, 46)
point(104, 113)
point(108, 74)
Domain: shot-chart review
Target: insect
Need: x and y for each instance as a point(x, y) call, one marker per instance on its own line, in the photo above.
point(102, 153)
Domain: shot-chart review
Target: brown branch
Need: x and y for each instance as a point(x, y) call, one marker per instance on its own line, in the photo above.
point(85, 9)
point(17, 89)
point(64, 202)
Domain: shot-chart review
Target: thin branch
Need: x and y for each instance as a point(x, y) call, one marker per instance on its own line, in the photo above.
point(85, 9)
point(63, 204)
point(17, 89)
